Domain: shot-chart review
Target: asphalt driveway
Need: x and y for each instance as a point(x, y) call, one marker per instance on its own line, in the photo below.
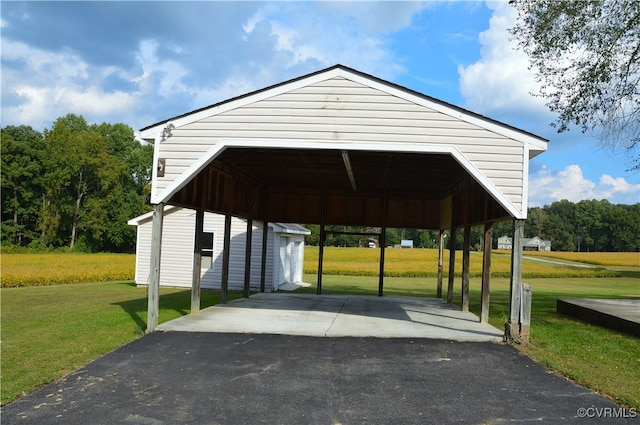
point(221, 378)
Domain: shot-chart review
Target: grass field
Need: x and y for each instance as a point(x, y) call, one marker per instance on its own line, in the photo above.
point(48, 331)
point(623, 259)
point(63, 268)
point(424, 263)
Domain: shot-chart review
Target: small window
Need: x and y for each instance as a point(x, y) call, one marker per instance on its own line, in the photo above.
point(207, 250)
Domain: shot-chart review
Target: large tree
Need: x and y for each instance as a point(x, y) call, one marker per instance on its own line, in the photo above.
point(96, 178)
point(586, 57)
point(22, 151)
point(75, 157)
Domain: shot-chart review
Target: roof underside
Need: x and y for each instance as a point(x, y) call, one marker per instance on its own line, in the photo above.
point(425, 176)
point(369, 188)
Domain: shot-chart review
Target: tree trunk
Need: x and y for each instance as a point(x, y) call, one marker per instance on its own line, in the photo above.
point(76, 219)
point(76, 213)
point(16, 238)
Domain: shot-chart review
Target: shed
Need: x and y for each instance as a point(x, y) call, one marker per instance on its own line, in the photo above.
point(341, 147)
point(284, 261)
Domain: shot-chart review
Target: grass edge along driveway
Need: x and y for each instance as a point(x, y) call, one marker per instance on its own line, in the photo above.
point(50, 331)
point(66, 319)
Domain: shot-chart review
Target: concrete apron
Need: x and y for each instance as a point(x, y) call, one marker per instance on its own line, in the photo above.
point(338, 316)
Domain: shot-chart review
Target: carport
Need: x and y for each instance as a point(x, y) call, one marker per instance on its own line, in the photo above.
point(341, 147)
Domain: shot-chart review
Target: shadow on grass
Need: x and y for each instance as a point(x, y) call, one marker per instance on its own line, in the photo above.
point(172, 305)
point(635, 274)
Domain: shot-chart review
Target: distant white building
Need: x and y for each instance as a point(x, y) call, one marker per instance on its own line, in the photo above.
point(285, 251)
point(504, 242)
point(536, 244)
point(529, 244)
point(406, 243)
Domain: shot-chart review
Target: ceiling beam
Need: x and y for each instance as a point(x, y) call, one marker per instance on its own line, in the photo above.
point(347, 164)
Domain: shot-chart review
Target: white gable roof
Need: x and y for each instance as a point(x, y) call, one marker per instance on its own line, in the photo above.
point(536, 143)
point(494, 153)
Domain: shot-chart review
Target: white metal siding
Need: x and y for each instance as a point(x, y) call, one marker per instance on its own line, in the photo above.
point(339, 109)
point(176, 261)
point(143, 254)
point(213, 278)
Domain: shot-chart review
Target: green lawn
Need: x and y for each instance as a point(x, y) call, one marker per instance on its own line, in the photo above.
point(49, 331)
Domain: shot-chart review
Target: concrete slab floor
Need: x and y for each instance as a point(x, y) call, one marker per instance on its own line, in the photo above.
point(622, 308)
point(339, 316)
point(618, 314)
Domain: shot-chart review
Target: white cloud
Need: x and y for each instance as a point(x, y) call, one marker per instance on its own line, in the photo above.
point(41, 86)
point(501, 79)
point(227, 89)
point(33, 109)
point(322, 34)
point(379, 17)
point(169, 73)
point(290, 39)
point(60, 65)
point(49, 85)
point(40, 104)
point(547, 186)
point(613, 186)
point(95, 102)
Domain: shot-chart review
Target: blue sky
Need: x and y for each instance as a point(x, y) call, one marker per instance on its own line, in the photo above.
point(144, 62)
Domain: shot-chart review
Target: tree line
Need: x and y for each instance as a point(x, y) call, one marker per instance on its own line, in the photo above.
point(76, 185)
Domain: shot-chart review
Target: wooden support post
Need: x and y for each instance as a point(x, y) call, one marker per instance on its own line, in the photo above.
point(320, 259)
point(383, 243)
point(323, 206)
point(525, 316)
point(247, 258)
point(153, 297)
point(452, 264)
point(197, 262)
point(486, 273)
point(226, 255)
point(263, 264)
point(515, 291)
point(440, 264)
point(465, 268)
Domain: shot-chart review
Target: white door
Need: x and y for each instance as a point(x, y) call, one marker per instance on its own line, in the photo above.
point(296, 276)
point(284, 274)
